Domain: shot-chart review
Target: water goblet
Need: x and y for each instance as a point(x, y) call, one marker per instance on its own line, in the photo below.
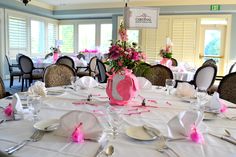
point(201, 93)
point(34, 104)
point(114, 119)
point(170, 83)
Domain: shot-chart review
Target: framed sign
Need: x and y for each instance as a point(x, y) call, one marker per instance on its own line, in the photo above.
point(143, 17)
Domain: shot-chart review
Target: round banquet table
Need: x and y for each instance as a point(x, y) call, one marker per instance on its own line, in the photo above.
point(54, 106)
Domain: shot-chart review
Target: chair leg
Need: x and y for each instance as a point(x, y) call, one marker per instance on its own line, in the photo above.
point(22, 86)
point(19, 78)
point(11, 81)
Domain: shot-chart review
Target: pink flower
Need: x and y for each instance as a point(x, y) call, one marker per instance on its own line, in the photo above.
point(78, 135)
point(9, 110)
point(135, 56)
point(120, 63)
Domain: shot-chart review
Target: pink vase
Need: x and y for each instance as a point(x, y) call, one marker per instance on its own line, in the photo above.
point(122, 87)
point(55, 57)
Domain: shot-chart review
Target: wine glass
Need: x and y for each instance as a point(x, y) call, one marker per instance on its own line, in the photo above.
point(34, 104)
point(201, 93)
point(170, 83)
point(114, 119)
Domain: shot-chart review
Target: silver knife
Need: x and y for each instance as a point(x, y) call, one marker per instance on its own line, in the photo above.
point(230, 140)
point(102, 145)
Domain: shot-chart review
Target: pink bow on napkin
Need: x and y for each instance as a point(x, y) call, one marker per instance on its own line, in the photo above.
point(196, 136)
point(78, 135)
point(9, 111)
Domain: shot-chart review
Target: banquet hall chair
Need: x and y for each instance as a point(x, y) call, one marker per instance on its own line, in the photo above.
point(205, 76)
point(14, 70)
point(66, 60)
point(58, 75)
point(227, 87)
point(91, 70)
point(209, 62)
point(174, 62)
point(29, 71)
point(158, 74)
point(79, 56)
point(3, 92)
point(48, 55)
point(102, 77)
point(141, 69)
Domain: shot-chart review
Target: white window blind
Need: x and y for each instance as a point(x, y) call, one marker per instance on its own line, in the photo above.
point(52, 34)
point(154, 39)
point(37, 36)
point(184, 39)
point(87, 36)
point(17, 33)
point(66, 34)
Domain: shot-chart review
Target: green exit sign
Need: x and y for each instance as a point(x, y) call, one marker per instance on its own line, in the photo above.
point(215, 7)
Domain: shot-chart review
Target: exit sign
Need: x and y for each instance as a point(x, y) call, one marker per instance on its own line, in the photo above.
point(215, 7)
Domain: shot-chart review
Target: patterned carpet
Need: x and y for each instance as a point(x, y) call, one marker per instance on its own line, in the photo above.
point(15, 88)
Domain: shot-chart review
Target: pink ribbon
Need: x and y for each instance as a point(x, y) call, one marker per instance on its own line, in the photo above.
point(196, 136)
point(84, 103)
point(78, 135)
point(9, 110)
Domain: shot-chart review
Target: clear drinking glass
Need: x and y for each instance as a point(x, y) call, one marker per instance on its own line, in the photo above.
point(201, 94)
point(34, 104)
point(170, 83)
point(114, 119)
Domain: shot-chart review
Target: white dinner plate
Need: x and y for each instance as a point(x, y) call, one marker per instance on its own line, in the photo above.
point(47, 125)
point(139, 133)
point(55, 92)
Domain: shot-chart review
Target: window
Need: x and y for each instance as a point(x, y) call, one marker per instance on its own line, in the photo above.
point(37, 37)
point(106, 37)
point(51, 35)
point(133, 36)
point(66, 34)
point(17, 33)
point(87, 36)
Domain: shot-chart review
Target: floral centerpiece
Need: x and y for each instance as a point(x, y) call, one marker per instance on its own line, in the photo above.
point(167, 51)
point(123, 57)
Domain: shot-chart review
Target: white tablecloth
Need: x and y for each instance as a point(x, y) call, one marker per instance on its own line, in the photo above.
point(51, 145)
point(183, 76)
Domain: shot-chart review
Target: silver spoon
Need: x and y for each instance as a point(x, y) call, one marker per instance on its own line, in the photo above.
point(228, 134)
point(109, 151)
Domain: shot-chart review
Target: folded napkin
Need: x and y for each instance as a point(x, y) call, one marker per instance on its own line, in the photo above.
point(38, 89)
point(215, 104)
point(182, 124)
point(91, 127)
point(86, 82)
point(185, 90)
point(144, 83)
point(16, 103)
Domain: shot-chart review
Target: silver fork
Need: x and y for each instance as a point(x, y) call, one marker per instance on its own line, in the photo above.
point(37, 135)
point(162, 147)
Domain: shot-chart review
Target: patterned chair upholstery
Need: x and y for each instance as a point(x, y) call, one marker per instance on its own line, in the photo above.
point(66, 61)
point(174, 62)
point(209, 62)
point(141, 69)
point(58, 75)
point(158, 74)
point(227, 88)
point(2, 89)
point(29, 71)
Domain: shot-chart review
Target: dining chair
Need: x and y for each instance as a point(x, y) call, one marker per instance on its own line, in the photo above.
point(141, 69)
point(58, 75)
point(158, 74)
point(102, 77)
point(66, 60)
point(227, 88)
point(3, 92)
point(48, 55)
point(79, 56)
point(91, 69)
point(174, 62)
point(14, 70)
point(204, 76)
point(29, 71)
point(209, 62)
